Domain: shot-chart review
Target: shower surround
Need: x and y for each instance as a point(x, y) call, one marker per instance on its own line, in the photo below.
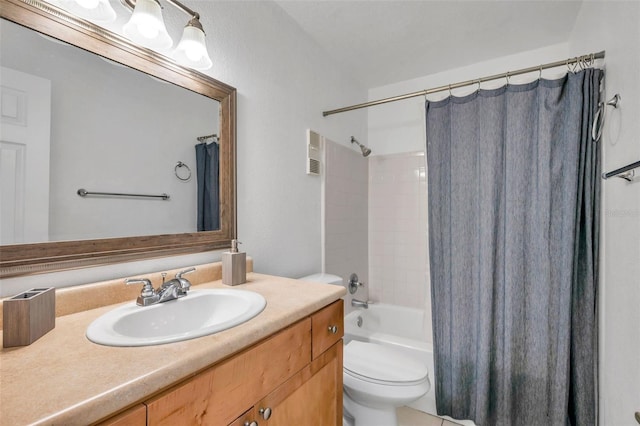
point(375, 224)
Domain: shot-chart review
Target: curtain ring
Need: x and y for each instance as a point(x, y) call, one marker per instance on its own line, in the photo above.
point(507, 76)
point(179, 165)
point(540, 73)
point(569, 67)
point(479, 87)
point(450, 94)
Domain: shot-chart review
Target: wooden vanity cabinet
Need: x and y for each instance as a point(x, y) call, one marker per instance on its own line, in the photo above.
point(294, 377)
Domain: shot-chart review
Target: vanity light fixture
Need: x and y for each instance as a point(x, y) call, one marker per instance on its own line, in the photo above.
point(146, 27)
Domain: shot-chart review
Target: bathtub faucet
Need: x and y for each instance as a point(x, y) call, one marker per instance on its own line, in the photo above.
point(360, 304)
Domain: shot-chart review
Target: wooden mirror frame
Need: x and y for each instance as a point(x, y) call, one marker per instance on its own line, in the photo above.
point(24, 259)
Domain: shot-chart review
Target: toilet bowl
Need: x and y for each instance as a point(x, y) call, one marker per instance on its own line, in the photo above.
point(377, 380)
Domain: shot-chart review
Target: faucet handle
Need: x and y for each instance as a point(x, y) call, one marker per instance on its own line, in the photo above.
point(148, 295)
point(147, 289)
point(354, 283)
point(185, 285)
point(186, 271)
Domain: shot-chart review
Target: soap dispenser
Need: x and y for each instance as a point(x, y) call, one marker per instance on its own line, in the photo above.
point(234, 265)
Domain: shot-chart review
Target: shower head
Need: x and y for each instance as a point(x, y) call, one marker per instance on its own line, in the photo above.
point(365, 151)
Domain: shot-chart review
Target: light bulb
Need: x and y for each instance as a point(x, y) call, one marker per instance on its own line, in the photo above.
point(146, 26)
point(147, 31)
point(88, 4)
point(192, 50)
point(93, 10)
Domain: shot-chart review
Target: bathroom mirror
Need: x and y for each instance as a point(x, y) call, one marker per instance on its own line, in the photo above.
point(79, 231)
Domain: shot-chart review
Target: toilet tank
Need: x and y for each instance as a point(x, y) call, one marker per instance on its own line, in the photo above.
point(323, 278)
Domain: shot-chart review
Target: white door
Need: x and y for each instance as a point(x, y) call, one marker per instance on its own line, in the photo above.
point(25, 118)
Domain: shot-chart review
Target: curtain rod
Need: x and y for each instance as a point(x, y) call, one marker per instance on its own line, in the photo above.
point(584, 60)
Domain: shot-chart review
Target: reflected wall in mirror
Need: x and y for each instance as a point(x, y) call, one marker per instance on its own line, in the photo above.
point(112, 129)
point(109, 128)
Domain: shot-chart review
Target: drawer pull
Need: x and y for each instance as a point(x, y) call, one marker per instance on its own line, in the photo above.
point(333, 329)
point(254, 423)
point(266, 413)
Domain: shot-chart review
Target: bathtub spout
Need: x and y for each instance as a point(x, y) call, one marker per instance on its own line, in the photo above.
point(360, 304)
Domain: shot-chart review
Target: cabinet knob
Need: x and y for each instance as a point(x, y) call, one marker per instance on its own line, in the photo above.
point(265, 412)
point(254, 423)
point(333, 329)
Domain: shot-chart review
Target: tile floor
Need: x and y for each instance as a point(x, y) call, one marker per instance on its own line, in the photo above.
point(410, 417)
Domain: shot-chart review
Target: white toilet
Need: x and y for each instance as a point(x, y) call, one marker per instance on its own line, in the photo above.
point(377, 378)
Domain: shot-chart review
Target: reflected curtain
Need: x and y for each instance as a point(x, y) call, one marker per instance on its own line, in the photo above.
point(513, 241)
point(208, 187)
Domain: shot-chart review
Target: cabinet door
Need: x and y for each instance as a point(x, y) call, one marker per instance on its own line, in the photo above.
point(313, 397)
point(220, 394)
point(327, 327)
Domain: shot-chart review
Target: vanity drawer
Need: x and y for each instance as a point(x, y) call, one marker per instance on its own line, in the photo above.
point(222, 393)
point(327, 327)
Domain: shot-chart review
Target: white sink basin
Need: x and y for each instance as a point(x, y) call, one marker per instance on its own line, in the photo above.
point(199, 313)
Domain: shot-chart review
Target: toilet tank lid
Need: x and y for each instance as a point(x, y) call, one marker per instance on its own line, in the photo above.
point(323, 278)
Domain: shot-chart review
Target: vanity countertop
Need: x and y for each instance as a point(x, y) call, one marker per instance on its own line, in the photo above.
point(63, 378)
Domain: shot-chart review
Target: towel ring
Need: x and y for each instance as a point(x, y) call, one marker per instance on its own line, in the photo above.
point(598, 122)
point(598, 119)
point(179, 165)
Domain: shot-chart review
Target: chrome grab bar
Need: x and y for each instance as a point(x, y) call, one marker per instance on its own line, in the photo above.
point(83, 193)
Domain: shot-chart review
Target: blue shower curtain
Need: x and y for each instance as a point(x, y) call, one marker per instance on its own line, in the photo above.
point(513, 240)
point(208, 187)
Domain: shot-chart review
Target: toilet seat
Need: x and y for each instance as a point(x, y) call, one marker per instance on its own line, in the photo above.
point(383, 365)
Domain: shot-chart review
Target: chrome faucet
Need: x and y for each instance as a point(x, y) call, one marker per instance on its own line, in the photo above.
point(169, 290)
point(360, 303)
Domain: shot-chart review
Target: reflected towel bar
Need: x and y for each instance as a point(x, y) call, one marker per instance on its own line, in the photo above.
point(83, 193)
point(625, 172)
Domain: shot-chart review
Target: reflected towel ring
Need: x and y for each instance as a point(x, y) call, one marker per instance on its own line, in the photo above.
point(179, 165)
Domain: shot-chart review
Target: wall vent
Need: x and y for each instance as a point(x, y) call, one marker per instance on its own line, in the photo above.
point(314, 150)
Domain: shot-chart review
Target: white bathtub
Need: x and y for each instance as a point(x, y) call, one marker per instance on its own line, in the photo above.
point(399, 327)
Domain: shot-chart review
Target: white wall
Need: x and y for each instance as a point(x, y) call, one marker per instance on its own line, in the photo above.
point(615, 27)
point(284, 82)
